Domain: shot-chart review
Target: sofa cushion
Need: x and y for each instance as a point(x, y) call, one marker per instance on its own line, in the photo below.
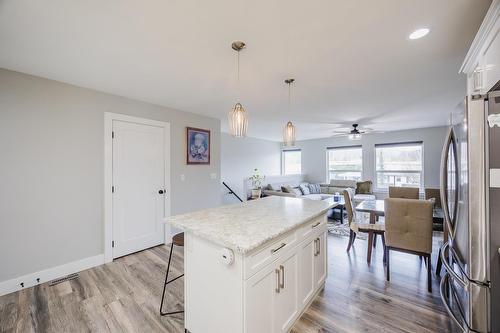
point(335, 189)
point(304, 188)
point(364, 187)
point(324, 188)
point(313, 196)
point(343, 183)
point(314, 189)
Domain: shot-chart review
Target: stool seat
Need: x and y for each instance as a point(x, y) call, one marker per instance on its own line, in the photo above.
point(178, 239)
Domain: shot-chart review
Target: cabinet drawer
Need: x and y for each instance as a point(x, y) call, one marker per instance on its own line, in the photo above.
point(310, 227)
point(256, 261)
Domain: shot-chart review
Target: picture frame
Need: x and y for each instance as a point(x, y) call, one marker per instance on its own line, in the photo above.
point(197, 146)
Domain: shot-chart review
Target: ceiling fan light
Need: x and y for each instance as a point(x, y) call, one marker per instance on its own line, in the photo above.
point(238, 121)
point(356, 136)
point(289, 135)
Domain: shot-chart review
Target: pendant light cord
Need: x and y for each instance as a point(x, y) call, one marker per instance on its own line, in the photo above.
point(289, 98)
point(238, 77)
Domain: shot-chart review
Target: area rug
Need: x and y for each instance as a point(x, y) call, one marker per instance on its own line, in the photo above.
point(342, 229)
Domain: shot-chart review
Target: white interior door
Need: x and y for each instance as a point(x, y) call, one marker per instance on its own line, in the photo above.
point(138, 186)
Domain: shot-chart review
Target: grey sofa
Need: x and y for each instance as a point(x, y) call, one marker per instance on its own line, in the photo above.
point(338, 186)
point(327, 191)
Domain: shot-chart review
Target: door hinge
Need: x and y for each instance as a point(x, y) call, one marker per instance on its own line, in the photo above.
point(112, 189)
point(112, 243)
point(112, 134)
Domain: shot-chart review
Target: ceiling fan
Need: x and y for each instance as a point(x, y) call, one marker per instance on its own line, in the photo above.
point(353, 133)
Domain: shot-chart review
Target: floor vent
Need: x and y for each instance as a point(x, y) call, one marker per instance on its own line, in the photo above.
point(63, 279)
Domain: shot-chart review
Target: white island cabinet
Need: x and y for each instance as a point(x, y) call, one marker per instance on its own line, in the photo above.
point(253, 267)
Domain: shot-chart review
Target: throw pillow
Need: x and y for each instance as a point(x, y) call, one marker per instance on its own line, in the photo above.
point(314, 189)
point(269, 187)
point(297, 191)
point(287, 189)
point(304, 188)
point(364, 187)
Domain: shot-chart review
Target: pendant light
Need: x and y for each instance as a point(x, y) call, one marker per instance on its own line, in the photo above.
point(289, 130)
point(237, 118)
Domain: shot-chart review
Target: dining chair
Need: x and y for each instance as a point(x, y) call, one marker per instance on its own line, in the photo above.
point(357, 225)
point(403, 192)
point(408, 228)
point(435, 195)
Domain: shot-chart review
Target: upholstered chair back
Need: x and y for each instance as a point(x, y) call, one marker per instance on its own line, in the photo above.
point(408, 224)
point(403, 192)
point(349, 206)
point(434, 193)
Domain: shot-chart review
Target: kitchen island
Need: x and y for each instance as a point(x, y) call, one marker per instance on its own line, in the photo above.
point(253, 267)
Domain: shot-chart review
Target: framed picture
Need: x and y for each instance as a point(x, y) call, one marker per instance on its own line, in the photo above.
point(198, 146)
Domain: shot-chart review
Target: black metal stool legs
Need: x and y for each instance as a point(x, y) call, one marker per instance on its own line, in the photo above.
point(167, 282)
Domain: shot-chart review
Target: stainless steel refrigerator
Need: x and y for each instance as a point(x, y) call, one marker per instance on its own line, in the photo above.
point(470, 195)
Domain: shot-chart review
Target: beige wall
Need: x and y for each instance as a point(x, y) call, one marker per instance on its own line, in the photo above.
point(51, 170)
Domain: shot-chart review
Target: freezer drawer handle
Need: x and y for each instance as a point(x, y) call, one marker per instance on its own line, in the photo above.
point(442, 290)
point(448, 268)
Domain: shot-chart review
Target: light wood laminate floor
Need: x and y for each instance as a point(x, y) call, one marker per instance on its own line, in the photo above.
point(124, 296)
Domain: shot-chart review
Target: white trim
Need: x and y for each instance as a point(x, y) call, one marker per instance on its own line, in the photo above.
point(386, 190)
point(470, 61)
point(360, 147)
point(29, 280)
point(108, 175)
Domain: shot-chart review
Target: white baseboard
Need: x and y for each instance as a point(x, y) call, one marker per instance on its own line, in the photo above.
point(29, 280)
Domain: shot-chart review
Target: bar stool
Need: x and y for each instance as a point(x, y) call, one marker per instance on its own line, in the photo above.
point(177, 240)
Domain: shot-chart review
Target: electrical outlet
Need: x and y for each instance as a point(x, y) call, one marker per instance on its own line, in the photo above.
point(213, 176)
point(183, 178)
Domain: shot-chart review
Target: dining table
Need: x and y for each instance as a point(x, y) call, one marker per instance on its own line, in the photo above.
point(376, 208)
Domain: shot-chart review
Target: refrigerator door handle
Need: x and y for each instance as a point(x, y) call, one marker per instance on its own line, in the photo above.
point(442, 291)
point(449, 220)
point(449, 269)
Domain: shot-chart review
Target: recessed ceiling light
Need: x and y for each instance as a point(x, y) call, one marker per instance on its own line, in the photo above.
point(419, 33)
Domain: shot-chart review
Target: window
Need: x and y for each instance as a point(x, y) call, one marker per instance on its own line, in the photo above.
point(292, 162)
point(345, 163)
point(399, 165)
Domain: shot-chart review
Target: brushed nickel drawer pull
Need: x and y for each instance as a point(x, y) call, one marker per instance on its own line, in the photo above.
point(319, 246)
point(315, 247)
point(282, 283)
point(278, 248)
point(315, 225)
point(277, 271)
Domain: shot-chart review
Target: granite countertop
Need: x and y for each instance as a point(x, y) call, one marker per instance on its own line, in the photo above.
point(245, 226)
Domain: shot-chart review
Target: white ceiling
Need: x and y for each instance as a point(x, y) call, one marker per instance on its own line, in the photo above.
point(352, 60)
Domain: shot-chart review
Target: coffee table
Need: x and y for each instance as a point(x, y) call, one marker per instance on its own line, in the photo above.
point(340, 205)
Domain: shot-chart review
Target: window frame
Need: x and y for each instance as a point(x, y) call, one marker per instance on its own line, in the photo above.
point(342, 148)
point(400, 144)
point(283, 152)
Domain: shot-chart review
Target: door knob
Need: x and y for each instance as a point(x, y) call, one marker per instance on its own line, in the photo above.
point(161, 191)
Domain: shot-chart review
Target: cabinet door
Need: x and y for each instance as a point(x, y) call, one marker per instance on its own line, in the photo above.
point(307, 281)
point(286, 301)
point(260, 293)
point(320, 259)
